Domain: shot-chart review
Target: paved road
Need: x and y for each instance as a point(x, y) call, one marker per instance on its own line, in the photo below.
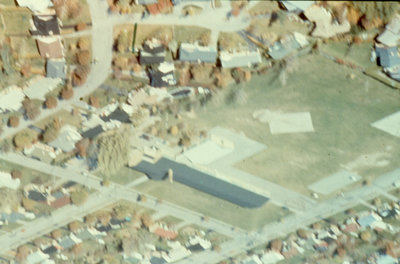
point(110, 194)
point(293, 222)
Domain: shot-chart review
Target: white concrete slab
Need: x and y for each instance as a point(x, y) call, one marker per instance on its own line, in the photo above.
point(334, 182)
point(291, 123)
point(389, 124)
point(207, 152)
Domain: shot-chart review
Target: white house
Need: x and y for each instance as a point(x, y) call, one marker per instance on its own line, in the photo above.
point(36, 6)
point(11, 99)
point(7, 181)
point(239, 59)
point(391, 36)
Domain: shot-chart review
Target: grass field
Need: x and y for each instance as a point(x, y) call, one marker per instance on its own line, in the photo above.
point(124, 176)
point(17, 20)
point(28, 175)
point(213, 207)
point(341, 109)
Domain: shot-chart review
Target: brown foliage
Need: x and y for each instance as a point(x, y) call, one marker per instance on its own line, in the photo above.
point(22, 253)
point(31, 110)
point(67, 93)
point(201, 72)
point(13, 121)
point(51, 102)
point(365, 236)
point(90, 220)
point(16, 174)
point(28, 204)
point(80, 74)
point(276, 245)
point(74, 226)
point(56, 234)
point(82, 147)
point(24, 139)
point(83, 43)
point(26, 70)
point(341, 252)
point(146, 220)
point(94, 101)
point(80, 26)
point(83, 57)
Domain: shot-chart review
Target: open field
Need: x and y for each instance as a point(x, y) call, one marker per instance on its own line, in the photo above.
point(341, 108)
point(28, 175)
point(124, 176)
point(16, 20)
point(213, 207)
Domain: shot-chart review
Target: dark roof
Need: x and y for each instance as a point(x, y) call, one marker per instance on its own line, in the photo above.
point(160, 79)
point(148, 58)
point(93, 132)
point(115, 221)
point(45, 25)
point(69, 184)
point(202, 182)
point(387, 57)
point(50, 250)
point(36, 196)
point(155, 260)
point(118, 114)
point(196, 248)
point(103, 228)
point(153, 49)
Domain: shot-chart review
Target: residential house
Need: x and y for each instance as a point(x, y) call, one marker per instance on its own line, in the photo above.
point(195, 53)
point(145, 2)
point(157, 260)
point(163, 75)
point(163, 231)
point(239, 59)
point(325, 25)
point(159, 7)
point(45, 25)
point(93, 132)
point(56, 68)
point(69, 241)
point(287, 45)
point(67, 138)
point(391, 36)
point(133, 258)
point(50, 47)
point(253, 259)
point(39, 86)
point(37, 257)
point(51, 249)
point(90, 233)
point(37, 196)
point(370, 219)
point(37, 6)
point(197, 243)
point(7, 181)
point(271, 257)
point(176, 252)
point(118, 114)
point(291, 249)
point(42, 152)
point(59, 199)
point(11, 99)
point(389, 59)
point(153, 52)
point(297, 6)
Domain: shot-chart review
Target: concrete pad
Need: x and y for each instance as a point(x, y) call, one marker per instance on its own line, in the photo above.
point(334, 182)
point(207, 152)
point(291, 123)
point(389, 124)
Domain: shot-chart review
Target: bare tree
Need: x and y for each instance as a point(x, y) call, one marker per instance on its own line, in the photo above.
point(114, 150)
point(13, 121)
point(51, 102)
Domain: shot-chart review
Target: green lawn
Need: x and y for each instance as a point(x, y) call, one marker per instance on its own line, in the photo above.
point(211, 206)
point(341, 109)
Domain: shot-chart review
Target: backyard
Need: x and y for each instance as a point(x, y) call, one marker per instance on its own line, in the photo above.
point(342, 103)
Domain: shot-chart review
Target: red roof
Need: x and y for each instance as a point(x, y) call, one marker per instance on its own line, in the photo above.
point(159, 7)
point(165, 233)
point(353, 227)
point(60, 202)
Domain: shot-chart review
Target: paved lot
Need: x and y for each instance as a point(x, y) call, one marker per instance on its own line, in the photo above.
point(334, 182)
point(389, 124)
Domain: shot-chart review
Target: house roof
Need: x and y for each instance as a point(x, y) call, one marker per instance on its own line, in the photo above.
point(368, 220)
point(153, 46)
point(66, 139)
point(50, 250)
point(69, 241)
point(271, 257)
point(39, 86)
point(387, 56)
point(391, 35)
point(254, 259)
point(294, 6)
point(7, 181)
point(118, 114)
point(42, 152)
point(12, 217)
point(93, 132)
point(60, 202)
point(239, 59)
point(69, 184)
point(50, 47)
point(156, 260)
point(56, 68)
point(11, 99)
point(169, 234)
point(202, 182)
point(163, 75)
point(386, 259)
point(37, 196)
point(35, 6)
point(146, 58)
point(196, 53)
point(45, 25)
point(36, 257)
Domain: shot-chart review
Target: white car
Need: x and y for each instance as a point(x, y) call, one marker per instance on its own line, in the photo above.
point(396, 184)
